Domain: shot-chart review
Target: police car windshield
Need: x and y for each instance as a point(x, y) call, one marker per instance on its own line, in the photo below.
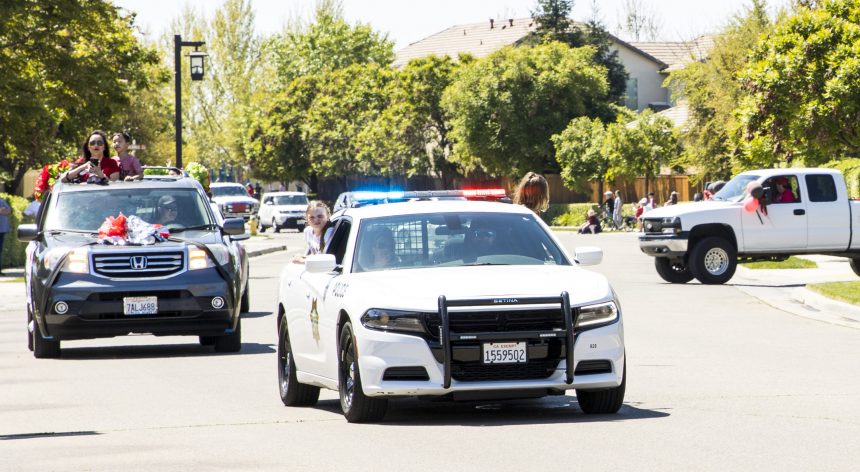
point(229, 191)
point(453, 239)
point(86, 211)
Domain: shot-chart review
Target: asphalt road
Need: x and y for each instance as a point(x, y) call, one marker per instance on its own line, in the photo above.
point(717, 380)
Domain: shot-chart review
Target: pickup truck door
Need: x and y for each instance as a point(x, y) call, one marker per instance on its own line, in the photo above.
point(828, 213)
point(782, 228)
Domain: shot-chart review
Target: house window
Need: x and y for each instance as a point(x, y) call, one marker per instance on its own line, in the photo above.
point(631, 99)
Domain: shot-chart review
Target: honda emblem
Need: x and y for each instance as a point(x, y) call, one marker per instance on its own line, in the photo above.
point(138, 262)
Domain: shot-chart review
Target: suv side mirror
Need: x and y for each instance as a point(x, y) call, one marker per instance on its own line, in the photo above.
point(27, 232)
point(234, 226)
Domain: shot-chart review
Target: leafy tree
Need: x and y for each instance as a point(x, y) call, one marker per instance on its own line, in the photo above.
point(641, 147)
point(579, 153)
point(505, 107)
point(66, 67)
point(802, 88)
point(555, 24)
point(712, 91)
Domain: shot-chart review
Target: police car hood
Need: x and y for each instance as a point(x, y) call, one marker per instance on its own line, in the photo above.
point(419, 289)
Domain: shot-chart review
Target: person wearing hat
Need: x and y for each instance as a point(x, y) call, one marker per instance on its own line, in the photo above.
point(609, 203)
point(166, 210)
point(591, 225)
point(783, 191)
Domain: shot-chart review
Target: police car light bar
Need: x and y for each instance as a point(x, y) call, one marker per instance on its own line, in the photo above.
point(369, 197)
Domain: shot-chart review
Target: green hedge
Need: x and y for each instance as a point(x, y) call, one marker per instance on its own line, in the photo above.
point(574, 214)
point(13, 250)
point(850, 168)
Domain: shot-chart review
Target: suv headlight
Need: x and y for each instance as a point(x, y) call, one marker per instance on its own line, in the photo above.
point(599, 314)
point(77, 260)
point(394, 320)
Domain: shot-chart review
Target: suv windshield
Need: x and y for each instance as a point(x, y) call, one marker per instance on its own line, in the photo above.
point(734, 190)
point(229, 191)
point(454, 239)
point(291, 200)
point(86, 211)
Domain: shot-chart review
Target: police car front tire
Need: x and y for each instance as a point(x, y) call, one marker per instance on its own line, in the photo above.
point(602, 402)
point(357, 408)
point(292, 392)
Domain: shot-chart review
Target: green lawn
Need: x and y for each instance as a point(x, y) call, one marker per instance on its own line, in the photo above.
point(16, 279)
point(843, 291)
point(790, 263)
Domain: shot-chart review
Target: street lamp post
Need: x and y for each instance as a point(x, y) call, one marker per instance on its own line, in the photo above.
point(197, 68)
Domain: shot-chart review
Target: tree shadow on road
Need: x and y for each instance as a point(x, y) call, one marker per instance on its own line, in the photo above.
point(154, 351)
point(547, 410)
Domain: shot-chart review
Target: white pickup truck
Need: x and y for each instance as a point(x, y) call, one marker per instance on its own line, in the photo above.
point(809, 212)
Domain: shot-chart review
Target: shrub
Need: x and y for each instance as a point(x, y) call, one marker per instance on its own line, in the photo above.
point(13, 250)
point(850, 168)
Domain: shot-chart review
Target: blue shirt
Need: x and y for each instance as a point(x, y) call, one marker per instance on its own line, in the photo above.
point(4, 219)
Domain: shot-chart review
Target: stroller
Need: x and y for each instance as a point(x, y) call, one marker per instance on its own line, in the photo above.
point(605, 217)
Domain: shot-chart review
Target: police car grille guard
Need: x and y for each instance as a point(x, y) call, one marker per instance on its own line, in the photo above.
point(446, 337)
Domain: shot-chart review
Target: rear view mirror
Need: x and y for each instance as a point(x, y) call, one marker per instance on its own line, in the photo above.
point(234, 226)
point(27, 232)
point(588, 255)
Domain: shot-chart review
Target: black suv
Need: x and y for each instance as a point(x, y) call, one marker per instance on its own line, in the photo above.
point(194, 283)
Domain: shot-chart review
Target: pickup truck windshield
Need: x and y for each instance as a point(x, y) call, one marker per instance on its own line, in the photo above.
point(86, 211)
point(734, 190)
point(454, 239)
point(229, 191)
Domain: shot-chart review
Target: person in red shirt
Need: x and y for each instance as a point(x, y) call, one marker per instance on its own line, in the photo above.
point(94, 164)
point(783, 191)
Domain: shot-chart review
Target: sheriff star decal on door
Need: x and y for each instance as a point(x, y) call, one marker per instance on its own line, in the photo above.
point(315, 320)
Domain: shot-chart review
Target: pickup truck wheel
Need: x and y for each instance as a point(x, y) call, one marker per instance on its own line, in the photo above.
point(230, 342)
point(293, 393)
point(44, 348)
point(602, 402)
point(672, 271)
point(713, 261)
point(357, 408)
point(855, 265)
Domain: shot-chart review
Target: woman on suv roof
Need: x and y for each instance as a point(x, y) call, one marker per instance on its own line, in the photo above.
point(94, 165)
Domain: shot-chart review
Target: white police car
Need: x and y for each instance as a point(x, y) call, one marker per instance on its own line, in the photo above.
point(456, 299)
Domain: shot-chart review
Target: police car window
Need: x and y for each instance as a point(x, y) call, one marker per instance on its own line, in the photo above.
point(339, 238)
point(453, 239)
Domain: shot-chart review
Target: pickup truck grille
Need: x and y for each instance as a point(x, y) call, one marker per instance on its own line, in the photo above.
point(138, 265)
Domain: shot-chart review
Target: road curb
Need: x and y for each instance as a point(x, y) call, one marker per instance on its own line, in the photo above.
point(820, 302)
point(266, 250)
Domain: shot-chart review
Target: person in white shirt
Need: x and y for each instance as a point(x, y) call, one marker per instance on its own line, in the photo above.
point(317, 230)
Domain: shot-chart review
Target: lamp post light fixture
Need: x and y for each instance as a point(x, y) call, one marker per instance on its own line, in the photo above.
point(196, 60)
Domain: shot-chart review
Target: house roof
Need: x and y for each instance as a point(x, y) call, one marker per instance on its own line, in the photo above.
point(678, 54)
point(477, 39)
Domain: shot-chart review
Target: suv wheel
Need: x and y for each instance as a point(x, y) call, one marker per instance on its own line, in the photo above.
point(357, 408)
point(713, 261)
point(44, 348)
point(275, 226)
point(602, 402)
point(855, 265)
point(293, 393)
point(672, 271)
point(230, 342)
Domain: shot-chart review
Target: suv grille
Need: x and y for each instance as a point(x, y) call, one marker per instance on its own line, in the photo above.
point(143, 264)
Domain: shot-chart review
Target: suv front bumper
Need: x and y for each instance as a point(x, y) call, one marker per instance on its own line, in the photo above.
point(95, 306)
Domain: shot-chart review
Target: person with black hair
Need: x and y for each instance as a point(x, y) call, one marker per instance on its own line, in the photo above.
point(94, 165)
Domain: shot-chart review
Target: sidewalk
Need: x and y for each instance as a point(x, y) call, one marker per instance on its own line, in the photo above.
point(12, 285)
point(786, 290)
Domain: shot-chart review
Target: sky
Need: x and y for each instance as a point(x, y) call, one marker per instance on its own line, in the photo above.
point(407, 21)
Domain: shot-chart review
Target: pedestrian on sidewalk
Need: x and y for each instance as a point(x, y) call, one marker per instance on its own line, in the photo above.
point(5, 211)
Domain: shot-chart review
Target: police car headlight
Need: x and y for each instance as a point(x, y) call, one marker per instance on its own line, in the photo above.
point(600, 314)
point(393, 320)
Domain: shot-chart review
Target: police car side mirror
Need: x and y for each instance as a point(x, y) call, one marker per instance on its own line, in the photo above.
point(269, 202)
point(320, 263)
point(588, 255)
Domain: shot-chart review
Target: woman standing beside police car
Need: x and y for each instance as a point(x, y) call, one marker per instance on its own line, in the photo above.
point(95, 165)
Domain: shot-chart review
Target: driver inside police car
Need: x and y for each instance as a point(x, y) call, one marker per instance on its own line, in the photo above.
point(166, 210)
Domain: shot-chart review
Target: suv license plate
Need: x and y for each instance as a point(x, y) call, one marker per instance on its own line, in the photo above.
point(505, 353)
point(140, 305)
